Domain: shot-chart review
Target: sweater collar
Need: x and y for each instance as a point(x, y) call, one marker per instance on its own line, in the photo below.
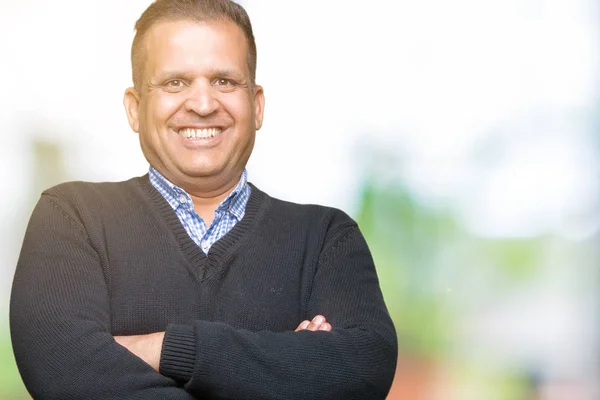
point(201, 265)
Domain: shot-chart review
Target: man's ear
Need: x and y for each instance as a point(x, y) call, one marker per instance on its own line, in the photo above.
point(259, 106)
point(131, 101)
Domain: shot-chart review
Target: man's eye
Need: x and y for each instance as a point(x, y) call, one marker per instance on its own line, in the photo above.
point(175, 83)
point(224, 82)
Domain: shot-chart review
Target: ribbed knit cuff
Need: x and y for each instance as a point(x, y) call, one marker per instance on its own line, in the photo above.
point(178, 355)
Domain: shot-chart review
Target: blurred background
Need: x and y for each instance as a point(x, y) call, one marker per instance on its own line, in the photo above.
point(463, 136)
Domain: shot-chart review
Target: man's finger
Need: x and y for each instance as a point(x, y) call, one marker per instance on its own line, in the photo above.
point(316, 323)
point(325, 327)
point(303, 325)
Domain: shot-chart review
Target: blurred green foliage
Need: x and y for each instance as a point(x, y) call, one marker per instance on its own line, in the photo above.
point(11, 386)
point(405, 239)
point(432, 269)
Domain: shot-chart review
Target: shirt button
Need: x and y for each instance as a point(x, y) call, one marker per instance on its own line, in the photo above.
point(182, 198)
point(204, 245)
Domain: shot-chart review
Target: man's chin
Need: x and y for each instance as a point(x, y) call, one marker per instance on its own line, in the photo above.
point(205, 174)
point(202, 172)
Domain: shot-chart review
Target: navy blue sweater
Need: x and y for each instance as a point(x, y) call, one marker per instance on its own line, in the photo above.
point(107, 259)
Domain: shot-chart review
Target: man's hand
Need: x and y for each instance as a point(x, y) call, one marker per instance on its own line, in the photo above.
point(318, 323)
point(146, 347)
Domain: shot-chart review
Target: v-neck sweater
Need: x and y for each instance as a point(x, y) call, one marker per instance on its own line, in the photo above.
point(107, 259)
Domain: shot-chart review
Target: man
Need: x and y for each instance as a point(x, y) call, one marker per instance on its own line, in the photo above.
point(190, 282)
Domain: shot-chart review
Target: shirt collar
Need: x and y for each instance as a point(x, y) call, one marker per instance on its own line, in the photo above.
point(235, 202)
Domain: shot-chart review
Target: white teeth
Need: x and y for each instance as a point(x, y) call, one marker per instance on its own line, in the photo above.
point(199, 133)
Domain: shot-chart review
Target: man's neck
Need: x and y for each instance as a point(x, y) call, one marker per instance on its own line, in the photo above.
point(205, 206)
point(206, 194)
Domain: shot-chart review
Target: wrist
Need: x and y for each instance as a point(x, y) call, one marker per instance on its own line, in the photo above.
point(178, 352)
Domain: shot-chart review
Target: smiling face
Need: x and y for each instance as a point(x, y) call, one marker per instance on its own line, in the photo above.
point(197, 111)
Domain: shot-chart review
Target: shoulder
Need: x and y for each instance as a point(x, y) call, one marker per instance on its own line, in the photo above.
point(94, 190)
point(331, 220)
point(89, 197)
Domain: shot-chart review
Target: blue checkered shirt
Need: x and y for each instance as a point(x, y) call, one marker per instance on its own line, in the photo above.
point(229, 212)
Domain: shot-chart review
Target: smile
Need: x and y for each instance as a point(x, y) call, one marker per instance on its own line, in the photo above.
point(206, 133)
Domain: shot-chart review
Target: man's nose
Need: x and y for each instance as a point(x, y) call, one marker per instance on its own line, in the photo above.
point(201, 99)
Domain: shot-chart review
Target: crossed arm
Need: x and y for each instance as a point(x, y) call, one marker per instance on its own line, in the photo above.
point(148, 347)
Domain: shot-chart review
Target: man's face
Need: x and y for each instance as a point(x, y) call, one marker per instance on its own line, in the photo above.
point(197, 112)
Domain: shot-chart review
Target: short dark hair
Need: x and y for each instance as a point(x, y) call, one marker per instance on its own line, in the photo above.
point(195, 11)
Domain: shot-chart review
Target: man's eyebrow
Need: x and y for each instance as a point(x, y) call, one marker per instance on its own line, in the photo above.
point(166, 75)
point(216, 73)
point(227, 73)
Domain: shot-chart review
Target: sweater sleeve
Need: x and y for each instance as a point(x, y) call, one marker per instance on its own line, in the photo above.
point(60, 319)
point(356, 360)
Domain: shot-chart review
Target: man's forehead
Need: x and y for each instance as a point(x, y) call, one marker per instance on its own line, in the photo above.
point(173, 46)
